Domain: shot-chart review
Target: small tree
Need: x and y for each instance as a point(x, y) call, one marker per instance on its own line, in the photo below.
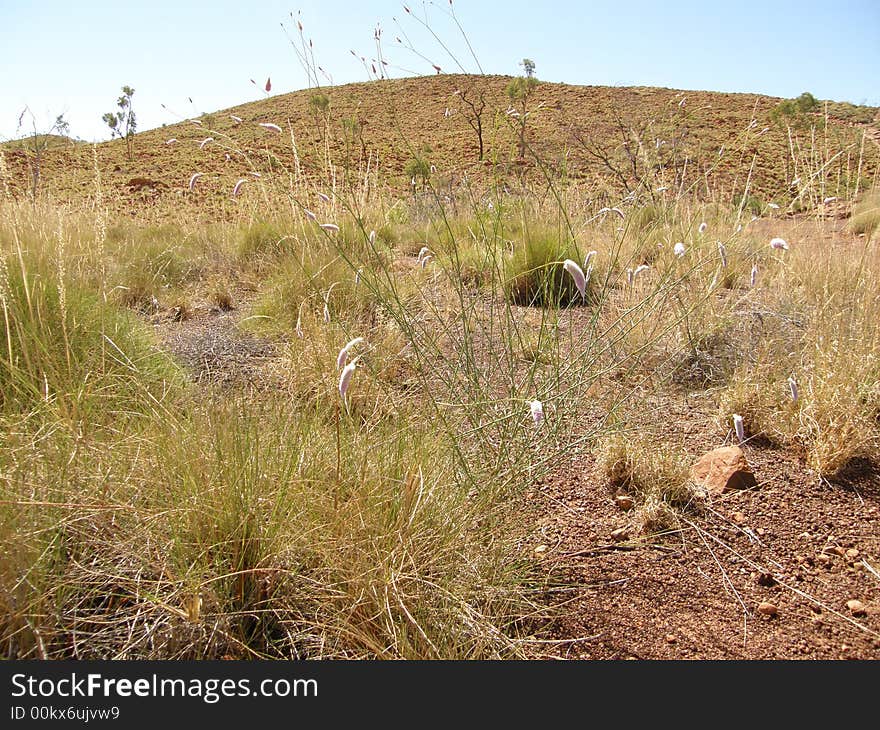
point(795, 112)
point(123, 124)
point(518, 91)
point(37, 142)
point(419, 168)
point(353, 132)
point(319, 105)
point(472, 104)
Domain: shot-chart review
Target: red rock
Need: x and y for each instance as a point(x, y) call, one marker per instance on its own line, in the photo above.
point(768, 609)
point(722, 470)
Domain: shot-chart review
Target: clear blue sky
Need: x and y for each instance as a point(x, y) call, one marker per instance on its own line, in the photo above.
point(73, 57)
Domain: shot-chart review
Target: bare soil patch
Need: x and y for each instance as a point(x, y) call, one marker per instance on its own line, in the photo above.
point(806, 547)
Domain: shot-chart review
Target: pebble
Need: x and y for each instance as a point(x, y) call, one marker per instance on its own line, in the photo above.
point(671, 638)
point(760, 531)
point(621, 533)
point(624, 501)
point(768, 609)
point(852, 553)
point(856, 607)
point(541, 549)
point(739, 518)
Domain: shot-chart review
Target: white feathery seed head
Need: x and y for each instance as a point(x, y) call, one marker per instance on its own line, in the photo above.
point(678, 249)
point(345, 377)
point(577, 274)
point(739, 427)
point(536, 408)
point(342, 357)
point(793, 388)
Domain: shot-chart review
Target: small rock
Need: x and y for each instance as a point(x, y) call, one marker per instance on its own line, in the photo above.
point(766, 580)
point(768, 609)
point(722, 470)
point(739, 518)
point(760, 531)
point(540, 549)
point(671, 638)
point(852, 553)
point(824, 558)
point(621, 533)
point(625, 502)
point(856, 607)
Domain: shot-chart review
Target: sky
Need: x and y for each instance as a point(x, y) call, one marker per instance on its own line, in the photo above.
point(74, 57)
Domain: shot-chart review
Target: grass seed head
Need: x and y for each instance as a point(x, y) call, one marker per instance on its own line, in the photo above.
point(536, 408)
point(739, 428)
point(345, 378)
point(342, 358)
point(577, 274)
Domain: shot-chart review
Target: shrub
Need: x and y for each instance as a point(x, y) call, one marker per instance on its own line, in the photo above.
point(535, 277)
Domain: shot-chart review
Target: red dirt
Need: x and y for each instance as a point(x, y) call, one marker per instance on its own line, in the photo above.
point(694, 594)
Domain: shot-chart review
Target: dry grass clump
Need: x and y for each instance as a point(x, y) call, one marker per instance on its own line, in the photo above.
point(814, 372)
point(652, 471)
point(866, 215)
point(252, 532)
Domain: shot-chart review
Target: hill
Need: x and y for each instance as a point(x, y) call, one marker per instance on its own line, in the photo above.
point(613, 141)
